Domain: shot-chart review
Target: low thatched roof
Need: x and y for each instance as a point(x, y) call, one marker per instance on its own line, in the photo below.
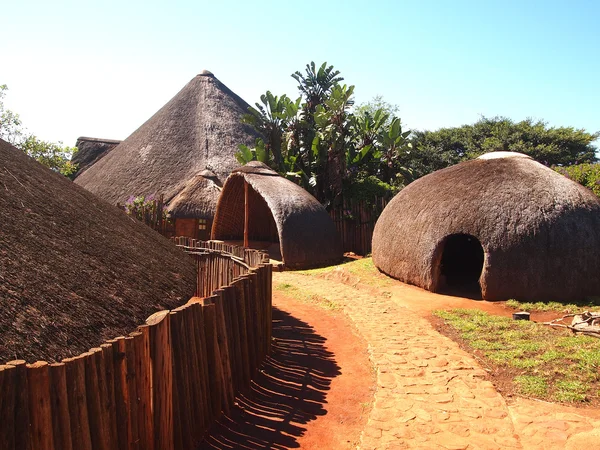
point(90, 150)
point(279, 211)
point(75, 270)
point(539, 231)
point(198, 200)
point(199, 128)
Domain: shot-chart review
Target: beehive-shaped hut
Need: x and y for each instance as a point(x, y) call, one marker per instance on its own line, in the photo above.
point(193, 209)
point(502, 223)
point(262, 209)
point(75, 270)
point(199, 128)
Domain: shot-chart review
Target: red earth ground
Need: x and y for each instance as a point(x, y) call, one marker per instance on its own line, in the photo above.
point(314, 392)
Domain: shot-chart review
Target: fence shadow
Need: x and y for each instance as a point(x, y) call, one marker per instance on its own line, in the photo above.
point(289, 391)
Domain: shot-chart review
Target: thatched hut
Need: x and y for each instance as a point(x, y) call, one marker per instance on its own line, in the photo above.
point(75, 270)
point(90, 150)
point(193, 209)
point(502, 223)
point(264, 210)
point(200, 128)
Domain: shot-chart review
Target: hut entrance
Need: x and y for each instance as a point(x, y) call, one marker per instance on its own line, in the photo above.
point(461, 265)
point(259, 228)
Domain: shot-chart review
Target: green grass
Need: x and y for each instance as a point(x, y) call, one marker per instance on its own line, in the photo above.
point(361, 268)
point(305, 297)
point(589, 304)
point(548, 363)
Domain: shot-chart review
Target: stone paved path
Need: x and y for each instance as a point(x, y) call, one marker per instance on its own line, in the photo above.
point(431, 394)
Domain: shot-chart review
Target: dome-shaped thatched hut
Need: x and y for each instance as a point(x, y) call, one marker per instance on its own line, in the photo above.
point(74, 270)
point(193, 209)
point(260, 207)
point(502, 223)
point(199, 128)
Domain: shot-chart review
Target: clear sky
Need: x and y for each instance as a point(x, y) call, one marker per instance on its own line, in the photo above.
point(102, 68)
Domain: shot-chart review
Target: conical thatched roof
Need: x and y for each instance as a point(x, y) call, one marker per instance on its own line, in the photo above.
point(75, 270)
point(306, 233)
point(198, 200)
point(539, 231)
point(90, 150)
point(198, 128)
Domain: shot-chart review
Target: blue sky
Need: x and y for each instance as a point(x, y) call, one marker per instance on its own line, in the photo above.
point(102, 68)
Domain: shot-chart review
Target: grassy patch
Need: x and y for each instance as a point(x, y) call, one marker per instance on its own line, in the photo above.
point(546, 363)
point(298, 294)
point(589, 304)
point(361, 268)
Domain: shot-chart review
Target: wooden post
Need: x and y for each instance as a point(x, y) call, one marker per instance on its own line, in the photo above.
point(251, 324)
point(246, 215)
point(162, 380)
point(7, 405)
point(121, 393)
point(194, 375)
point(98, 430)
point(21, 418)
point(143, 371)
point(61, 424)
point(222, 338)
point(109, 399)
point(40, 414)
point(240, 307)
point(205, 375)
point(180, 398)
point(132, 394)
point(216, 381)
point(78, 413)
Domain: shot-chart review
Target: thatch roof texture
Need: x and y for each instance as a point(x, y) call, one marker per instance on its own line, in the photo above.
point(199, 128)
point(90, 150)
point(75, 270)
point(198, 200)
point(305, 232)
point(540, 232)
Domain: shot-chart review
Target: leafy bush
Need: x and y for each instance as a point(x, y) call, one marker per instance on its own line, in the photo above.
point(368, 189)
point(586, 174)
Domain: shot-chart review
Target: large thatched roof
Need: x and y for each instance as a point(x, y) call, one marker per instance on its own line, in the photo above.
point(199, 128)
point(198, 200)
point(90, 150)
point(539, 231)
point(75, 270)
point(306, 233)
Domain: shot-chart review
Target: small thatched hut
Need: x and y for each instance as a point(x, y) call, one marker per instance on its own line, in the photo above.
point(502, 223)
point(90, 150)
point(193, 209)
point(197, 129)
point(75, 270)
point(262, 209)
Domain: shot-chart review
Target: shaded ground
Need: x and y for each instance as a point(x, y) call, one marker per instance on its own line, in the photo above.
point(313, 392)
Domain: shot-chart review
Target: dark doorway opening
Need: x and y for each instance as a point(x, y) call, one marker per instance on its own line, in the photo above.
point(461, 265)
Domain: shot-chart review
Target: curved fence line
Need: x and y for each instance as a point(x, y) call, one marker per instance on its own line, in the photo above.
point(160, 387)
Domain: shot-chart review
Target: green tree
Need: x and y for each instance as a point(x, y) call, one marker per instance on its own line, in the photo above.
point(560, 146)
point(11, 127)
point(323, 143)
point(54, 156)
point(585, 174)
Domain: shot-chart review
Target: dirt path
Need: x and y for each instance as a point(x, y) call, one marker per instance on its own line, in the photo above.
point(430, 393)
point(314, 392)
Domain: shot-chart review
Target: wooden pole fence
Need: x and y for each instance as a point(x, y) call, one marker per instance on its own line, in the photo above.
point(160, 387)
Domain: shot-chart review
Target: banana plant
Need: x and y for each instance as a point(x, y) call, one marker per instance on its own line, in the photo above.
point(271, 119)
point(258, 153)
